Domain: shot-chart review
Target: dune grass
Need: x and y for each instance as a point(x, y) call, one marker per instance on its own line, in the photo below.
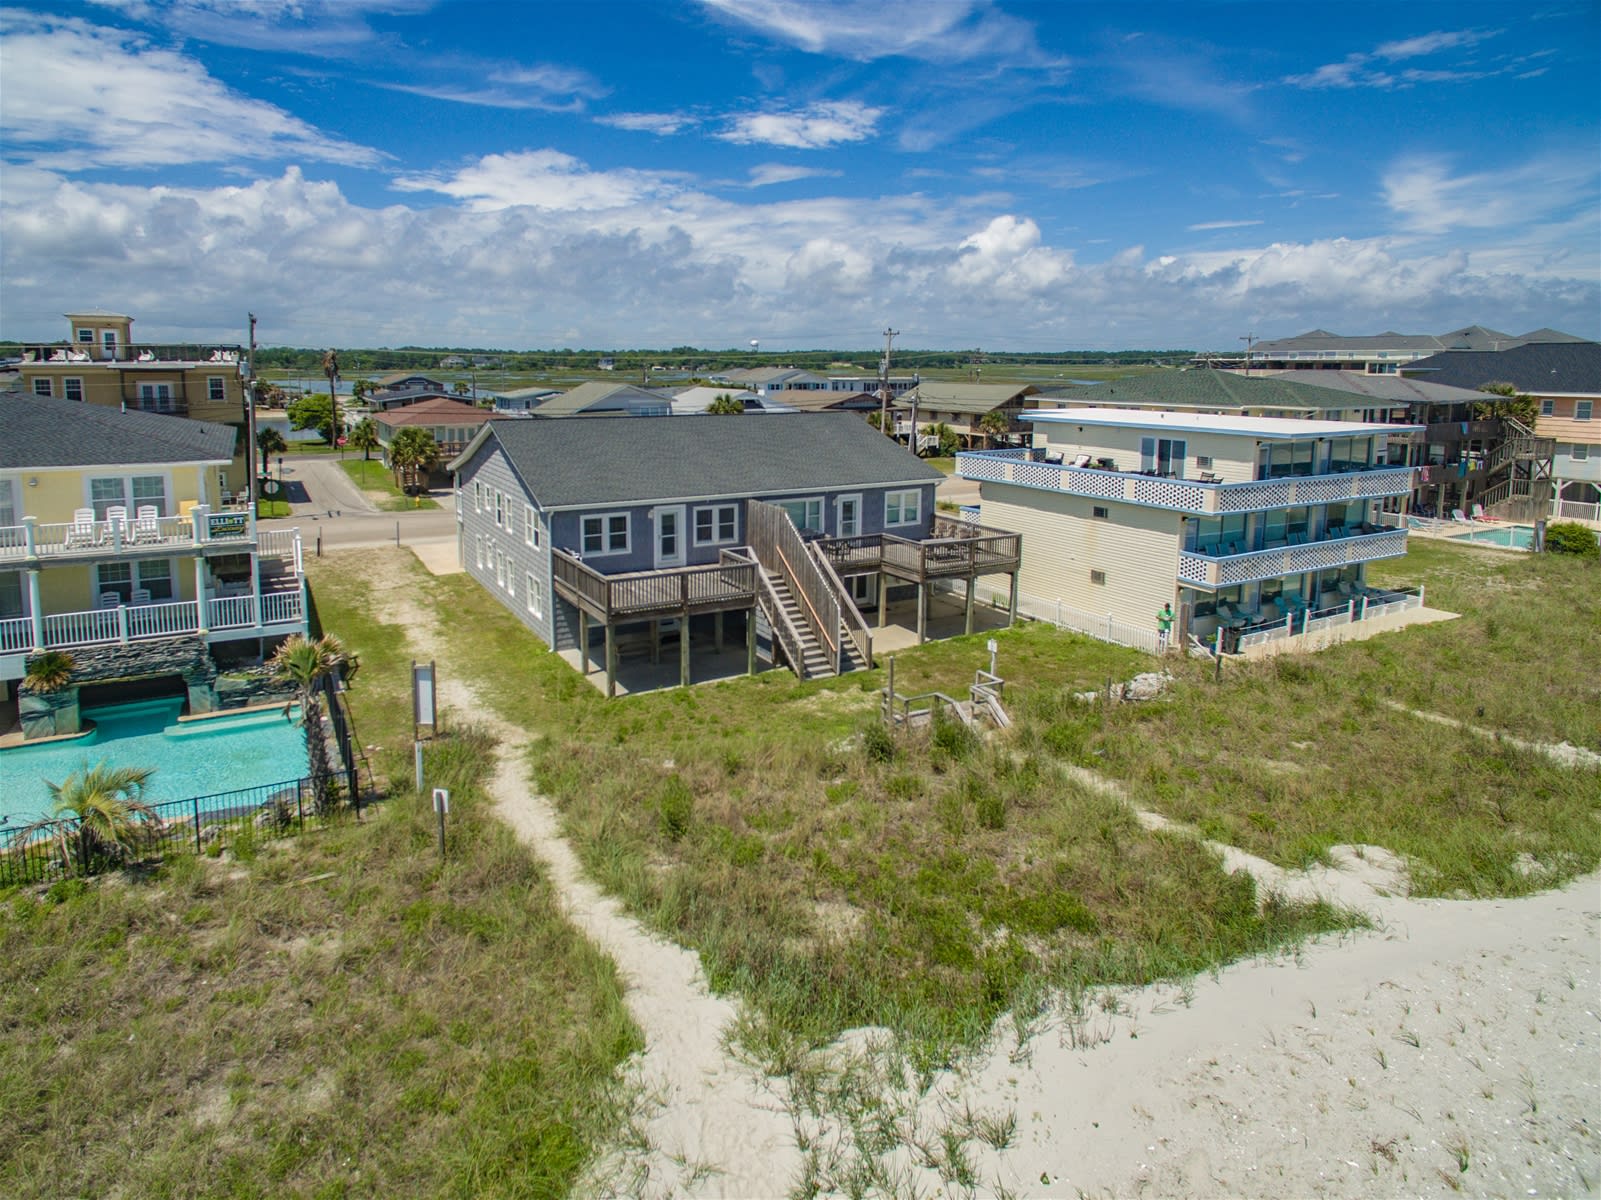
point(333, 1014)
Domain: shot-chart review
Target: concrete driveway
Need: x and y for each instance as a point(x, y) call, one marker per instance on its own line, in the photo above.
point(317, 484)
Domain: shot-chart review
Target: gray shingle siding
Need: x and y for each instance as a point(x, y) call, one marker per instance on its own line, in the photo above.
point(489, 469)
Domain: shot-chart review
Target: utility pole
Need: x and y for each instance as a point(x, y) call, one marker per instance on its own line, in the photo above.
point(884, 426)
point(252, 397)
point(1249, 340)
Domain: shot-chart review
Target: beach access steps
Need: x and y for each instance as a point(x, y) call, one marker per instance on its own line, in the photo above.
point(983, 703)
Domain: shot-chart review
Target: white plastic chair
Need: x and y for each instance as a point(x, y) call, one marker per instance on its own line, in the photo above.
point(110, 599)
point(116, 519)
point(146, 525)
point(141, 596)
point(82, 532)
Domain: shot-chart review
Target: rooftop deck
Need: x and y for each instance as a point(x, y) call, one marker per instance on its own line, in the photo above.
point(34, 542)
point(954, 549)
point(644, 595)
point(1101, 482)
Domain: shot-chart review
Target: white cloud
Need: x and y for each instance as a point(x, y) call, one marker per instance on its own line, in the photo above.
point(1204, 225)
point(79, 96)
point(661, 124)
point(321, 28)
point(1356, 70)
point(540, 251)
point(771, 173)
point(544, 179)
point(1429, 199)
point(942, 31)
point(816, 127)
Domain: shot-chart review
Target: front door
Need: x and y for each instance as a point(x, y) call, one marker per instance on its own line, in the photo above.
point(850, 516)
point(670, 537)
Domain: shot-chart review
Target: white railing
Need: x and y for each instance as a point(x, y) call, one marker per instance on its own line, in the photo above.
point(282, 608)
point(1182, 495)
point(83, 628)
point(97, 539)
point(16, 633)
point(277, 543)
point(161, 620)
point(1225, 571)
point(1574, 510)
point(233, 612)
point(1359, 608)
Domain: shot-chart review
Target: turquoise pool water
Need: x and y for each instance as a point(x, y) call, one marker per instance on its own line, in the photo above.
point(1516, 537)
point(196, 758)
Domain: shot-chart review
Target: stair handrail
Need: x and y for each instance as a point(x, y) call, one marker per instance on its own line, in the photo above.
point(852, 622)
point(783, 631)
point(770, 529)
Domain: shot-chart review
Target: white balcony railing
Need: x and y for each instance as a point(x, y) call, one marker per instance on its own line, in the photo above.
point(1183, 495)
point(278, 612)
point(33, 539)
point(1205, 570)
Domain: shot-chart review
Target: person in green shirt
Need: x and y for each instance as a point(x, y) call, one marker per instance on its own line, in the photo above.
point(1164, 625)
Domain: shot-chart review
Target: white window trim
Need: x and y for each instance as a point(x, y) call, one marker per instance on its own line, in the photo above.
point(1587, 405)
point(916, 509)
point(716, 510)
point(66, 387)
point(478, 549)
point(531, 534)
point(49, 386)
point(536, 604)
point(1580, 452)
point(839, 514)
point(169, 498)
point(221, 386)
point(822, 515)
point(500, 509)
point(605, 535)
point(1548, 408)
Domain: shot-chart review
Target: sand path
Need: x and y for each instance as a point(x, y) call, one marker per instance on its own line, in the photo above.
point(707, 1125)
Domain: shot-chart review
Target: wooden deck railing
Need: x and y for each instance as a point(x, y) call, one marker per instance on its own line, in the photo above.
point(640, 594)
point(778, 546)
point(853, 625)
point(953, 548)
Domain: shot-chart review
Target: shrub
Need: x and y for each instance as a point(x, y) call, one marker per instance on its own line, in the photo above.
point(674, 807)
point(951, 738)
point(48, 671)
point(1570, 537)
point(878, 743)
point(990, 808)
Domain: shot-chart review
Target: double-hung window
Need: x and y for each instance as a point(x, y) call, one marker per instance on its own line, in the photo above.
point(1582, 410)
point(8, 503)
point(216, 389)
point(1548, 408)
point(903, 508)
point(531, 533)
point(150, 491)
point(717, 526)
point(41, 386)
point(806, 514)
point(605, 533)
point(536, 603)
point(72, 388)
point(1581, 451)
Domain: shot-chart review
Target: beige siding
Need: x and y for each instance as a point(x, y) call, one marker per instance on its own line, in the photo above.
point(1233, 457)
point(1062, 543)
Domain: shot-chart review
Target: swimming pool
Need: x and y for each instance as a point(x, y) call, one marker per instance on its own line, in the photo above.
point(194, 758)
point(1513, 537)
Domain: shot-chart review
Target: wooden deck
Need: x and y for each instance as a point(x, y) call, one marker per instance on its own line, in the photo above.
point(953, 550)
point(646, 595)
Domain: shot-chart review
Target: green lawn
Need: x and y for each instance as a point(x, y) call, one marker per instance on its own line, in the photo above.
point(376, 480)
point(272, 508)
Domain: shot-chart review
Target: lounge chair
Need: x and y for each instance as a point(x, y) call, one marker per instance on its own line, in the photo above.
point(1458, 515)
point(1083, 460)
point(82, 530)
point(1480, 515)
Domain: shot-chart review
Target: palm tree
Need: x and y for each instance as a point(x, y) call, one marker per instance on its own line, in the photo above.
point(413, 449)
point(112, 818)
point(994, 424)
point(725, 405)
point(269, 441)
point(364, 437)
point(330, 368)
point(306, 664)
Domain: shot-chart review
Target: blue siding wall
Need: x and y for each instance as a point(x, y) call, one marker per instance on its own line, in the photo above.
point(482, 539)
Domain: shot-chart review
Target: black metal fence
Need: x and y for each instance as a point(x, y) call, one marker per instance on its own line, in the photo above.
point(53, 850)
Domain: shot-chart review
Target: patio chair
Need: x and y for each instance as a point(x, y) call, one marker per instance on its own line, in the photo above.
point(140, 596)
point(82, 530)
point(1083, 460)
point(1457, 515)
point(1479, 514)
point(146, 526)
point(116, 520)
point(110, 600)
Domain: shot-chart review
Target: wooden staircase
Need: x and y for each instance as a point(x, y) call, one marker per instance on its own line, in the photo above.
point(808, 658)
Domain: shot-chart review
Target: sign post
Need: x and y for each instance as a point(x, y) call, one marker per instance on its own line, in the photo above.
point(992, 648)
point(441, 807)
point(424, 698)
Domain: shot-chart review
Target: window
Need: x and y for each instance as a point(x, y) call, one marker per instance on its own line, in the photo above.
point(1098, 578)
point(150, 490)
point(41, 387)
point(1548, 408)
point(114, 577)
point(478, 549)
point(1164, 456)
point(86, 337)
point(531, 534)
point(1100, 513)
point(1203, 462)
point(500, 568)
point(106, 493)
point(1581, 452)
point(478, 496)
point(108, 339)
point(716, 526)
point(155, 576)
point(8, 503)
point(72, 389)
point(155, 397)
point(10, 595)
point(500, 508)
point(536, 602)
point(806, 514)
point(903, 508)
point(605, 533)
point(216, 390)
point(1582, 410)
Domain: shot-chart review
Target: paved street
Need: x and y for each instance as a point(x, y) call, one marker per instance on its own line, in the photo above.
point(326, 504)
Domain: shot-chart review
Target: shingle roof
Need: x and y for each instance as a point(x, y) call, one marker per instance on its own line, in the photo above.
point(628, 460)
point(963, 397)
point(1390, 389)
point(1211, 389)
point(42, 431)
point(594, 393)
point(1469, 337)
point(434, 412)
point(395, 377)
point(1538, 368)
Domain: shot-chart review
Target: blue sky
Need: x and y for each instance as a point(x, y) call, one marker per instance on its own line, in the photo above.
point(1009, 176)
